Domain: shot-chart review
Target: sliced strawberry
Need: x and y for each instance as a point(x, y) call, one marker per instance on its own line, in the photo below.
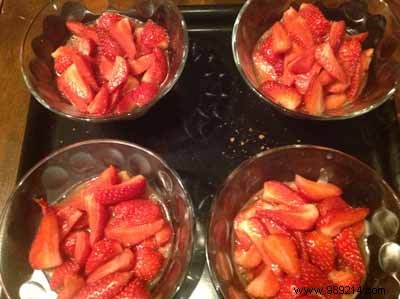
point(72, 284)
point(140, 65)
point(242, 240)
point(360, 36)
point(321, 250)
point(82, 247)
point(100, 103)
point(107, 19)
point(336, 220)
point(360, 77)
point(268, 54)
point(107, 177)
point(45, 249)
point(107, 45)
point(316, 190)
point(124, 176)
point(85, 70)
point(264, 285)
point(273, 227)
point(115, 98)
point(59, 273)
point(263, 69)
point(300, 239)
point(277, 192)
point(303, 81)
point(311, 276)
point(297, 28)
point(358, 229)
point(247, 258)
point(150, 242)
point(283, 95)
point(344, 279)
point(68, 245)
point(338, 87)
point(97, 216)
point(62, 59)
point(303, 63)
point(325, 57)
point(315, 20)
point(118, 75)
point(105, 288)
point(314, 100)
point(130, 84)
point(336, 34)
point(122, 33)
point(136, 289)
point(163, 236)
point(287, 290)
point(67, 217)
point(280, 39)
point(282, 251)
point(335, 101)
point(105, 67)
point(102, 252)
point(122, 262)
point(349, 55)
point(325, 78)
point(150, 36)
point(157, 72)
point(140, 96)
point(82, 30)
point(148, 263)
point(83, 45)
point(136, 212)
point(331, 203)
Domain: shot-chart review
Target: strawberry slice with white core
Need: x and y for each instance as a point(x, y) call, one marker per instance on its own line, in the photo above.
point(265, 285)
point(157, 72)
point(281, 42)
point(286, 96)
point(314, 99)
point(97, 215)
point(140, 65)
point(100, 103)
point(118, 75)
point(297, 28)
point(140, 96)
point(316, 191)
point(335, 101)
point(277, 192)
point(247, 258)
point(122, 33)
point(326, 58)
point(82, 30)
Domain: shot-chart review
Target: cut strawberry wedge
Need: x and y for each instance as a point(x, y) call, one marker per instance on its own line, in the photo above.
point(82, 30)
point(118, 75)
point(130, 84)
point(337, 87)
point(344, 279)
point(163, 236)
point(321, 250)
point(274, 228)
point(324, 78)
point(314, 99)
point(247, 258)
point(315, 20)
point(122, 262)
point(67, 217)
point(348, 55)
point(336, 34)
point(102, 252)
point(100, 103)
point(83, 45)
point(122, 33)
point(283, 95)
point(72, 284)
point(107, 19)
point(335, 101)
point(68, 245)
point(303, 81)
point(265, 285)
point(59, 273)
point(82, 247)
point(316, 190)
point(330, 204)
point(150, 36)
point(325, 57)
point(277, 192)
point(358, 229)
point(303, 63)
point(140, 65)
point(107, 46)
point(97, 215)
point(297, 28)
point(85, 70)
point(148, 263)
point(45, 250)
point(281, 42)
point(336, 220)
point(105, 67)
point(360, 36)
point(360, 77)
point(140, 96)
point(136, 289)
point(157, 72)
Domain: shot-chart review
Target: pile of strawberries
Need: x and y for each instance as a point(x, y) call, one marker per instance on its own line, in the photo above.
point(112, 66)
point(299, 235)
point(305, 62)
point(106, 240)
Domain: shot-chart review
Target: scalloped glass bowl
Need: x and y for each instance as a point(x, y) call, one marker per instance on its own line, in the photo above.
point(361, 186)
point(374, 16)
point(52, 177)
point(47, 31)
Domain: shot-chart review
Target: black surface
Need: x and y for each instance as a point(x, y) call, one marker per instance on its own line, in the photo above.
point(211, 121)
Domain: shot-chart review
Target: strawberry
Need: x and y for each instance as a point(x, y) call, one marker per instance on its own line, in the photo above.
point(336, 34)
point(263, 70)
point(358, 229)
point(67, 217)
point(149, 242)
point(303, 63)
point(105, 67)
point(316, 190)
point(311, 276)
point(107, 19)
point(242, 240)
point(280, 39)
point(337, 87)
point(325, 78)
point(157, 72)
point(349, 55)
point(336, 220)
point(129, 234)
point(60, 272)
point(348, 251)
point(68, 245)
point(325, 57)
point(303, 81)
point(360, 36)
point(105, 288)
point(82, 30)
point(62, 59)
point(140, 96)
point(344, 279)
point(45, 249)
point(107, 177)
point(315, 20)
point(297, 29)
point(136, 289)
point(131, 189)
point(140, 65)
point(122, 33)
point(122, 262)
point(85, 70)
point(302, 217)
point(360, 77)
point(282, 251)
point(118, 75)
point(321, 250)
point(82, 247)
point(150, 36)
point(72, 284)
point(247, 258)
point(148, 263)
point(331, 203)
point(124, 175)
point(273, 227)
point(97, 216)
point(300, 239)
point(100, 103)
point(287, 290)
point(107, 46)
point(163, 236)
point(277, 192)
point(83, 45)
point(115, 98)
point(283, 95)
point(130, 84)
point(335, 101)
point(136, 212)
point(272, 58)
point(264, 285)
point(314, 100)
point(102, 252)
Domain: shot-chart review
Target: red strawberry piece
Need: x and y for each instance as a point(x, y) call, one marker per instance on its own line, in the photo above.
point(311, 276)
point(68, 245)
point(360, 77)
point(157, 72)
point(118, 75)
point(264, 285)
point(281, 42)
point(247, 258)
point(74, 88)
point(62, 59)
point(336, 34)
point(325, 78)
point(344, 279)
point(150, 36)
point(136, 212)
point(287, 289)
point(242, 240)
point(140, 65)
point(85, 70)
point(325, 57)
point(358, 229)
point(115, 98)
point(82, 30)
point(107, 19)
point(129, 234)
point(136, 289)
point(303, 63)
point(316, 190)
point(277, 192)
point(130, 84)
point(102, 252)
point(45, 249)
point(315, 20)
point(314, 99)
point(331, 203)
point(264, 70)
point(273, 227)
point(336, 220)
point(302, 217)
point(72, 284)
point(297, 28)
point(321, 250)
point(140, 96)
point(349, 55)
point(105, 67)
point(300, 239)
point(360, 36)
point(335, 101)
point(282, 251)
point(349, 252)
point(268, 54)
point(59, 273)
point(107, 45)
point(122, 262)
point(283, 95)
point(150, 242)
point(108, 177)
point(337, 87)
point(303, 81)
point(148, 263)
point(124, 176)
point(67, 217)
point(105, 288)
point(83, 45)
point(163, 236)
point(122, 33)
point(97, 216)
point(100, 103)
point(82, 247)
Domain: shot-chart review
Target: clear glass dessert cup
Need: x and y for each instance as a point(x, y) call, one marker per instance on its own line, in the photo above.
point(379, 18)
point(47, 31)
point(63, 170)
point(361, 186)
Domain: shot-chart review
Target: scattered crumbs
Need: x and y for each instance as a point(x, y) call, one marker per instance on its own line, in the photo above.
point(232, 139)
point(73, 129)
point(261, 136)
point(250, 129)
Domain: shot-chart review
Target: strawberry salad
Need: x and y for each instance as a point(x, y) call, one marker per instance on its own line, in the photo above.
point(109, 238)
point(310, 64)
point(112, 66)
point(300, 234)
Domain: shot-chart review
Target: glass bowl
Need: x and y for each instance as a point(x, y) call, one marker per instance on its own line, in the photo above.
point(62, 170)
point(375, 16)
point(361, 187)
point(47, 31)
